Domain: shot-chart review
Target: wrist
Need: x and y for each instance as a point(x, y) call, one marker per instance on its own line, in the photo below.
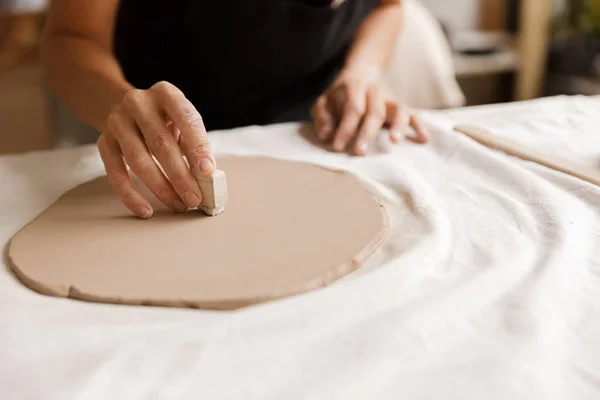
point(369, 72)
point(114, 97)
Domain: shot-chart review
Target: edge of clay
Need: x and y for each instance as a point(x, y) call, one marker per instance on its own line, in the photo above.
point(224, 304)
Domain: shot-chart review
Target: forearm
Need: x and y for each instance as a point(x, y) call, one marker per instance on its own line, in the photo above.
point(376, 38)
point(85, 76)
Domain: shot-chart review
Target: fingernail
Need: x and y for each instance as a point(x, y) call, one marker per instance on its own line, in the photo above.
point(191, 199)
point(338, 145)
point(396, 135)
point(146, 212)
point(179, 206)
point(206, 165)
point(362, 147)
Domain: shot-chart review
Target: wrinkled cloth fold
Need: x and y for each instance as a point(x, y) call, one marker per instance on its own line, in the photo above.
point(487, 287)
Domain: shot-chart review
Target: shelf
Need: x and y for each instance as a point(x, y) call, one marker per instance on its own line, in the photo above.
point(526, 57)
point(483, 53)
point(473, 65)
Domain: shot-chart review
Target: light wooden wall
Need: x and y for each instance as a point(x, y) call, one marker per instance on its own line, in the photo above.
point(534, 37)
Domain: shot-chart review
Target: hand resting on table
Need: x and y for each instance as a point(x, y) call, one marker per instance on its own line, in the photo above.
point(356, 107)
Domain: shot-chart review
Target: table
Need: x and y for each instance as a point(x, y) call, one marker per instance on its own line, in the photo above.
point(486, 288)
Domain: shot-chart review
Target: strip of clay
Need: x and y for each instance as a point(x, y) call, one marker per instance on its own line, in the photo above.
point(489, 140)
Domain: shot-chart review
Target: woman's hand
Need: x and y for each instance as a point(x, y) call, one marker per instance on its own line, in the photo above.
point(152, 127)
point(356, 107)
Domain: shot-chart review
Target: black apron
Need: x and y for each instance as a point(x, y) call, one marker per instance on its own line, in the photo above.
point(240, 62)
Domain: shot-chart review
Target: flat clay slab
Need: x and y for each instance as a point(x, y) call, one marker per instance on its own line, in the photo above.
point(288, 227)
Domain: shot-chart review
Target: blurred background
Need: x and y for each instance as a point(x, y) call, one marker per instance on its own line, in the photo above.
point(496, 50)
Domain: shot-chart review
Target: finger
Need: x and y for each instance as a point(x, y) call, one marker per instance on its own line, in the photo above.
point(194, 139)
point(421, 134)
point(346, 130)
point(352, 113)
point(372, 122)
point(398, 120)
point(119, 178)
point(141, 163)
point(149, 118)
point(323, 118)
point(173, 129)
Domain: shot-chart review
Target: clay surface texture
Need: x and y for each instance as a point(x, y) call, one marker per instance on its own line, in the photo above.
point(289, 227)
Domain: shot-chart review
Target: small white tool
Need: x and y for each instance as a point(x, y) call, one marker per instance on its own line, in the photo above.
point(214, 192)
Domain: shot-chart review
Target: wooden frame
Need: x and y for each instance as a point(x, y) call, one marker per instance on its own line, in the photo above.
point(532, 40)
point(493, 15)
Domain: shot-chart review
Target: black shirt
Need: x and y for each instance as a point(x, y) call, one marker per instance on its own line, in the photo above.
point(240, 62)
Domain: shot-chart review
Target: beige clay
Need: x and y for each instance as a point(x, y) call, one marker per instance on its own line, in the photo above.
point(289, 227)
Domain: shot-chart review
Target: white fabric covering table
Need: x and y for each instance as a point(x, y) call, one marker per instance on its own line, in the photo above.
point(488, 287)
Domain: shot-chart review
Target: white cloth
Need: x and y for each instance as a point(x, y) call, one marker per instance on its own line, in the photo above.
point(487, 288)
point(565, 127)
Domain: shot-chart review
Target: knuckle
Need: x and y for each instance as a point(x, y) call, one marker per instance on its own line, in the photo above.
point(320, 102)
point(101, 142)
point(391, 100)
point(353, 107)
point(316, 113)
point(402, 109)
point(112, 121)
point(132, 99)
point(130, 201)
point(164, 87)
point(164, 193)
point(344, 133)
point(345, 86)
point(178, 181)
point(115, 180)
point(378, 113)
point(339, 91)
point(117, 109)
point(191, 117)
point(201, 148)
point(314, 109)
point(404, 119)
point(160, 144)
point(138, 159)
point(344, 136)
point(375, 90)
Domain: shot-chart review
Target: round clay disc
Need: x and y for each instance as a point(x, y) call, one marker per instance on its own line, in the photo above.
point(288, 227)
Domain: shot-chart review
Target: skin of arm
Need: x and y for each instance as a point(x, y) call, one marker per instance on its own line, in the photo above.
point(77, 56)
point(357, 105)
point(376, 38)
point(140, 128)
